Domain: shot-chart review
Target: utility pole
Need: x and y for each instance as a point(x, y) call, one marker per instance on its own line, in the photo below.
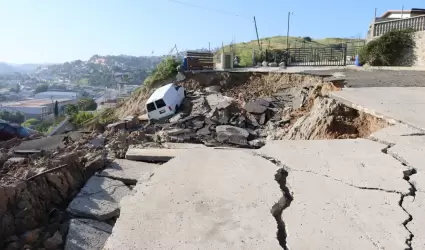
point(376, 9)
point(402, 11)
point(256, 31)
point(287, 32)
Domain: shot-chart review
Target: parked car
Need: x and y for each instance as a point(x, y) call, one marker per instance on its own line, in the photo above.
point(165, 101)
point(12, 130)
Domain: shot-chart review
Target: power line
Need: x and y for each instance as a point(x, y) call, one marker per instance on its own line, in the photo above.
point(208, 9)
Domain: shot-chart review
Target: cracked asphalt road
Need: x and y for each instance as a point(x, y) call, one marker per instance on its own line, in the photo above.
point(378, 78)
point(344, 194)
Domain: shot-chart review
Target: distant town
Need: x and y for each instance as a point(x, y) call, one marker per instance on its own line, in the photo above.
point(43, 94)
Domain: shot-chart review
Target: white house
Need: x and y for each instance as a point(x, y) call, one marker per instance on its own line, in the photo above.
point(57, 95)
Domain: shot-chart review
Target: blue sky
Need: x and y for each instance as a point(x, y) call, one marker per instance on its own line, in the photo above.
point(50, 31)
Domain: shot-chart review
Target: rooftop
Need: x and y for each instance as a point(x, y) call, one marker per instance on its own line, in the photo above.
point(30, 103)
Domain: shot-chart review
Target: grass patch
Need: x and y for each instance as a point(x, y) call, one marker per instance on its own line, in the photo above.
point(244, 50)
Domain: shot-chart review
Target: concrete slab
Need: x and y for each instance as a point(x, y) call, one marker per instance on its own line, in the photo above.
point(358, 162)
point(346, 194)
point(391, 134)
point(99, 199)
point(86, 234)
point(128, 172)
point(202, 199)
point(327, 214)
point(411, 151)
point(172, 145)
point(152, 154)
point(401, 104)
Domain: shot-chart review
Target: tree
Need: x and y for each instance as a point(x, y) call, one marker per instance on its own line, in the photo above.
point(56, 110)
point(41, 88)
point(87, 104)
point(71, 109)
point(307, 39)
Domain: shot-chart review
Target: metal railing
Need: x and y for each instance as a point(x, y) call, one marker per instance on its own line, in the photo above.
point(416, 23)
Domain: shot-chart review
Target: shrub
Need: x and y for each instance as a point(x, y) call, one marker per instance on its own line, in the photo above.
point(389, 49)
point(166, 68)
point(30, 122)
point(81, 117)
point(307, 39)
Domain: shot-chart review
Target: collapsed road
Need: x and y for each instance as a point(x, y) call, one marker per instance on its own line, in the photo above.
point(229, 171)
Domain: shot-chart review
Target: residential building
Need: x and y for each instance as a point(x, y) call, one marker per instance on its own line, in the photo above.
point(57, 95)
point(399, 14)
point(397, 20)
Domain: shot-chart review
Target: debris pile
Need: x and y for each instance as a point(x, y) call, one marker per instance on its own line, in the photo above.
point(36, 187)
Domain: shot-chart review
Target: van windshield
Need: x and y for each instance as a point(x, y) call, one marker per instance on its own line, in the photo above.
point(150, 106)
point(160, 103)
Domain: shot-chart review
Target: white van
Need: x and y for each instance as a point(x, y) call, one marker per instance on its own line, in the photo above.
point(165, 101)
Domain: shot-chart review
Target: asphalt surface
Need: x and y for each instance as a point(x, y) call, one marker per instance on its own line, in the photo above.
point(377, 78)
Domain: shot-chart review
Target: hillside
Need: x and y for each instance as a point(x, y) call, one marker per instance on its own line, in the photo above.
point(244, 49)
point(101, 70)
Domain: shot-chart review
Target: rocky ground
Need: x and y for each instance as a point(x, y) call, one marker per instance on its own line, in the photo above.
point(64, 191)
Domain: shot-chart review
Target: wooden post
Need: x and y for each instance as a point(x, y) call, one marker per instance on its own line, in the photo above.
point(256, 31)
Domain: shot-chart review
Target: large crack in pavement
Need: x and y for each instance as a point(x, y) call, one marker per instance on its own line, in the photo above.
point(283, 203)
point(412, 192)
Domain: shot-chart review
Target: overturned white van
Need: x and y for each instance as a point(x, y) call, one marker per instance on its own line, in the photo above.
point(165, 101)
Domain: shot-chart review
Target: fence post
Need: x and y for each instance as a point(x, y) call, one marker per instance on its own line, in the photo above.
point(345, 54)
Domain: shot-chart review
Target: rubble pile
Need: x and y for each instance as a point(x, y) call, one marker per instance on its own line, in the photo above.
point(36, 187)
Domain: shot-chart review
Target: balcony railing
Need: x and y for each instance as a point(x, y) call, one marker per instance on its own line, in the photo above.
point(416, 23)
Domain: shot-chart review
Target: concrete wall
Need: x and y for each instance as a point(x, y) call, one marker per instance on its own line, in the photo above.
point(419, 51)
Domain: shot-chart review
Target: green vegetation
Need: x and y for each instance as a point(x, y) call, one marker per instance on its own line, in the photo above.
point(14, 117)
point(166, 68)
point(41, 88)
point(79, 113)
point(388, 50)
point(87, 104)
point(81, 117)
point(244, 50)
point(30, 122)
point(43, 126)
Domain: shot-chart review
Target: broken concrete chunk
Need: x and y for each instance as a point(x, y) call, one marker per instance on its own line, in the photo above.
point(231, 134)
point(219, 101)
point(213, 89)
point(99, 199)
point(86, 234)
point(129, 172)
point(257, 107)
point(152, 154)
point(200, 106)
point(204, 131)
